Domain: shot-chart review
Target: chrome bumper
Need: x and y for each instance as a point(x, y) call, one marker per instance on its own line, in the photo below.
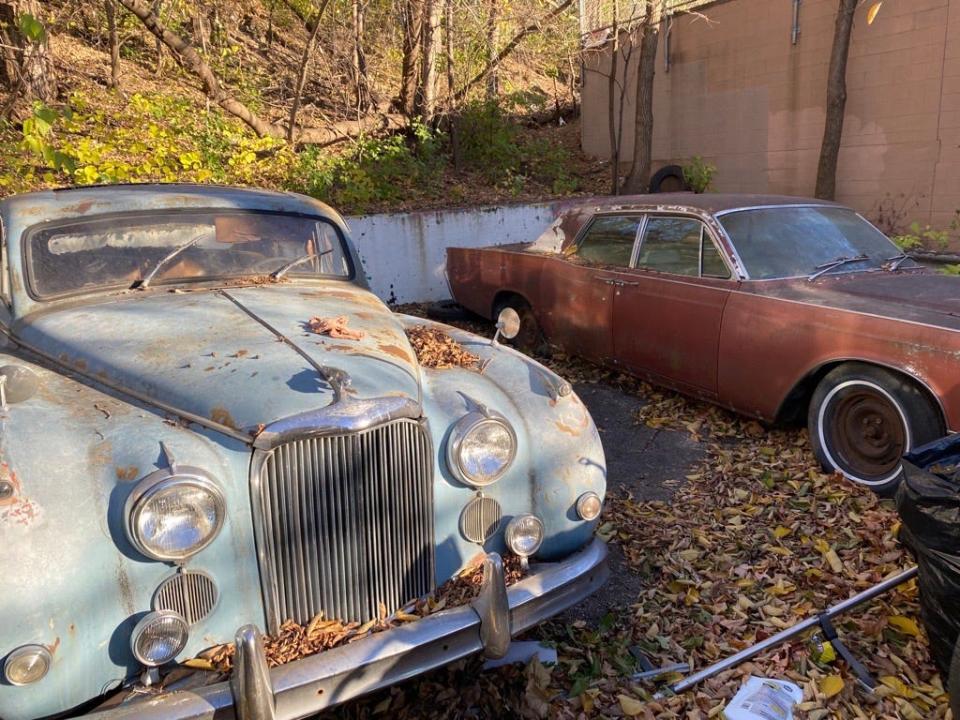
point(305, 686)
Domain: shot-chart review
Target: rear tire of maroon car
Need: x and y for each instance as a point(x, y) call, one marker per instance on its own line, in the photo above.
point(863, 418)
point(529, 338)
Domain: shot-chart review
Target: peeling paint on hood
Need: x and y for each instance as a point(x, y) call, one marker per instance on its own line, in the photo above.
point(201, 353)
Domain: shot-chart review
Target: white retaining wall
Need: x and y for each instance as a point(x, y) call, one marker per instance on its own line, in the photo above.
point(404, 254)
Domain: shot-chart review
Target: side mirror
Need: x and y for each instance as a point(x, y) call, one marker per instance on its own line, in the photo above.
point(508, 324)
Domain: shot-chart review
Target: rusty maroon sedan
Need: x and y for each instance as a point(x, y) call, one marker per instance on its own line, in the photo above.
point(777, 307)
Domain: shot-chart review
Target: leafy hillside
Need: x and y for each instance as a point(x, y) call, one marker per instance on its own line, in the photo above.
point(151, 116)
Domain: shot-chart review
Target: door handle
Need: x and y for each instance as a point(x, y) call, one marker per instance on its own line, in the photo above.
point(623, 283)
point(604, 280)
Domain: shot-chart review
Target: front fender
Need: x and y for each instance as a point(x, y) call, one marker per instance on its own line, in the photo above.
point(559, 454)
point(74, 582)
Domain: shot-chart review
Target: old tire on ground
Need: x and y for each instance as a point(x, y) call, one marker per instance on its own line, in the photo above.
point(447, 310)
point(529, 338)
point(668, 179)
point(953, 683)
point(862, 419)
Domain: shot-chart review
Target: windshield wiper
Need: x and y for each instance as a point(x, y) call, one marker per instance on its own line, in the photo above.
point(282, 270)
point(833, 264)
point(145, 282)
point(892, 263)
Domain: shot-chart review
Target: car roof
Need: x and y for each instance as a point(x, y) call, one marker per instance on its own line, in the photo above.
point(703, 202)
point(46, 205)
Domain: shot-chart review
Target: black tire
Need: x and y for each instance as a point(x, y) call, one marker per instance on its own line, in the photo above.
point(447, 310)
point(953, 683)
point(529, 339)
point(668, 179)
point(862, 419)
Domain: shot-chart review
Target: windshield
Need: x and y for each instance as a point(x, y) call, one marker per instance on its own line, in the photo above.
point(123, 250)
point(787, 242)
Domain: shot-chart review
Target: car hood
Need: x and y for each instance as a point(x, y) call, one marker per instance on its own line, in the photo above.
point(915, 296)
point(201, 352)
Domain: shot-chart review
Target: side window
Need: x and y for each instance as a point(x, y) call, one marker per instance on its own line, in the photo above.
point(680, 246)
point(671, 245)
point(712, 264)
point(609, 240)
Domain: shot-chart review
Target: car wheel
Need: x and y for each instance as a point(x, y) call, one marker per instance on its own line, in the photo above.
point(863, 419)
point(529, 338)
point(953, 684)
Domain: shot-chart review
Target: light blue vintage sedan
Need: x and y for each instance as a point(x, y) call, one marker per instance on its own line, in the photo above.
point(183, 463)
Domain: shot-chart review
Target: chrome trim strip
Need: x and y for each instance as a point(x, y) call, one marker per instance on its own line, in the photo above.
point(314, 683)
point(337, 379)
point(250, 682)
point(343, 418)
point(780, 206)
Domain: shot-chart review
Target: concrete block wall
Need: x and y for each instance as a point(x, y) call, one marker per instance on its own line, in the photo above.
point(404, 254)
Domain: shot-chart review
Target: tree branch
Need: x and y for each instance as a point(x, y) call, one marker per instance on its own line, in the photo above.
point(302, 72)
point(495, 61)
point(193, 62)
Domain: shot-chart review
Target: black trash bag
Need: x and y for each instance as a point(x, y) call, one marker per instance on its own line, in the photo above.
point(928, 501)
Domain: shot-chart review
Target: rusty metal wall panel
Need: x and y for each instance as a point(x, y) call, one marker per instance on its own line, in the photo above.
point(349, 523)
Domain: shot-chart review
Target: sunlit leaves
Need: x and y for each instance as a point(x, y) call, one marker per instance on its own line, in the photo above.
point(31, 28)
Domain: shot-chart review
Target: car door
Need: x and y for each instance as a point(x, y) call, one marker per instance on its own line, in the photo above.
point(579, 286)
point(668, 308)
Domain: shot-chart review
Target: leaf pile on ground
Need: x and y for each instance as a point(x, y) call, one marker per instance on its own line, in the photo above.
point(755, 539)
point(436, 349)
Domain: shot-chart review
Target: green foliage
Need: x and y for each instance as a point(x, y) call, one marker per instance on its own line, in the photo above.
point(949, 269)
point(919, 237)
point(31, 28)
point(377, 170)
point(492, 145)
point(698, 174)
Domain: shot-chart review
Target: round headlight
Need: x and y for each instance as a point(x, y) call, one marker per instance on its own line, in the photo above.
point(173, 516)
point(589, 506)
point(481, 449)
point(524, 535)
point(159, 637)
point(27, 664)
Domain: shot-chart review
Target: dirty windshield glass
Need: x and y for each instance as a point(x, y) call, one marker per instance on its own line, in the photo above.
point(121, 251)
point(795, 241)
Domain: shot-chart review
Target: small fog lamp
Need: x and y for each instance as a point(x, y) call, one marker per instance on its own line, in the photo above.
point(27, 665)
point(589, 506)
point(159, 637)
point(524, 535)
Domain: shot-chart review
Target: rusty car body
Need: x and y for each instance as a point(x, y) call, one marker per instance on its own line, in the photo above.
point(183, 463)
point(780, 308)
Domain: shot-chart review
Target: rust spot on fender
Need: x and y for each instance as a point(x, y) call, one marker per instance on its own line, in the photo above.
point(222, 415)
point(396, 351)
point(130, 472)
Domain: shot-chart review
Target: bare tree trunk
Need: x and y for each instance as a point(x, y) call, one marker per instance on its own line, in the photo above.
point(452, 103)
point(302, 73)
point(111, 9)
point(638, 181)
point(195, 64)
point(158, 70)
point(412, 17)
point(492, 41)
point(27, 69)
point(836, 102)
point(612, 127)
point(361, 82)
point(511, 45)
point(425, 100)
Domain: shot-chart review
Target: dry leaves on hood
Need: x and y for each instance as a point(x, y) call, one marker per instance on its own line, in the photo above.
point(436, 349)
point(334, 327)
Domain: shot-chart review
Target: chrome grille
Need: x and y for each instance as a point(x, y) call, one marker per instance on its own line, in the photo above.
point(191, 593)
point(345, 524)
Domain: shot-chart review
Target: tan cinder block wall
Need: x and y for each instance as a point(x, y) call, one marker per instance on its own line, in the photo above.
point(742, 96)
